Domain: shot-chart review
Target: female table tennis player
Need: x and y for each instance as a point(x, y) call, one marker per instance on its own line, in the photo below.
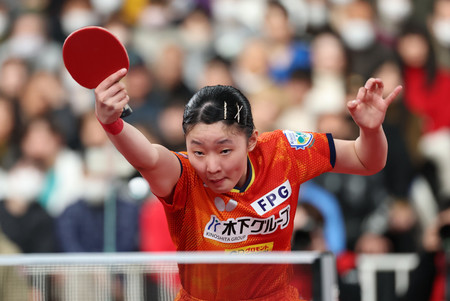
point(236, 191)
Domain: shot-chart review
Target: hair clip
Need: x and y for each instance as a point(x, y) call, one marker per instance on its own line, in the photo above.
point(238, 115)
point(224, 110)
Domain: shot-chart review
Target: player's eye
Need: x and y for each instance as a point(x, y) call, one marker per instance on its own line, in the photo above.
point(198, 153)
point(225, 151)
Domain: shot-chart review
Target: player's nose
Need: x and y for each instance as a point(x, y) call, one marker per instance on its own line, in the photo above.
point(212, 164)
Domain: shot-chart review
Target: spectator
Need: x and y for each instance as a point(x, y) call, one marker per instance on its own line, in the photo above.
point(235, 22)
point(355, 22)
point(303, 57)
point(426, 95)
point(316, 12)
point(329, 75)
point(168, 126)
point(22, 219)
point(44, 95)
point(14, 75)
point(251, 66)
point(217, 71)
point(295, 114)
point(75, 14)
point(439, 22)
point(404, 229)
point(390, 18)
point(168, 70)
point(267, 104)
point(29, 40)
point(286, 53)
point(251, 69)
point(43, 143)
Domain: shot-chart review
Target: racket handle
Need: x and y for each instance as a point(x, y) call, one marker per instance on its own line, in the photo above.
point(126, 111)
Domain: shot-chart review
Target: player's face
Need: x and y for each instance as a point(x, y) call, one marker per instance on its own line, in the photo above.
point(219, 155)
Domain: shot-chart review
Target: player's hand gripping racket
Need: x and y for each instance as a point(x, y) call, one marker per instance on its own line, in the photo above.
point(91, 54)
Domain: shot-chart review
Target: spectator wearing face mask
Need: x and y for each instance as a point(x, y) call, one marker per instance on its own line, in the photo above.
point(391, 16)
point(29, 40)
point(22, 219)
point(355, 22)
point(234, 22)
point(439, 26)
point(317, 16)
point(76, 14)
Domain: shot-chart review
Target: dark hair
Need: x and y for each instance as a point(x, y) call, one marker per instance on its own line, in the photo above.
point(413, 27)
point(49, 120)
point(276, 4)
point(212, 104)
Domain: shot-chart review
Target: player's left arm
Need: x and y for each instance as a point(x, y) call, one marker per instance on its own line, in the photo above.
point(367, 154)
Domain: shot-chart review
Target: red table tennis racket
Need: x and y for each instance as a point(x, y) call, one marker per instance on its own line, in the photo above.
point(93, 53)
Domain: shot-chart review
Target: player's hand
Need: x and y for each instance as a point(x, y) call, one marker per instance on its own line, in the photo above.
point(110, 97)
point(369, 108)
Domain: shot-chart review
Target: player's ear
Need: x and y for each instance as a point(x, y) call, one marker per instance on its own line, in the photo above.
point(252, 140)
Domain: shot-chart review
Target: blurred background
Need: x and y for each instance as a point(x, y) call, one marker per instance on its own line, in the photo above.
point(64, 187)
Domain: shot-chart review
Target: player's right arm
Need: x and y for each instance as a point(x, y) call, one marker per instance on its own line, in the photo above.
point(159, 166)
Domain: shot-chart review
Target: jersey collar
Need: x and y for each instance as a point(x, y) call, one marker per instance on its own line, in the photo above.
point(250, 178)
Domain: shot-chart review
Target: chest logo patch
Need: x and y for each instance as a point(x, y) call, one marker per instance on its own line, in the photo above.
point(220, 204)
point(238, 229)
point(273, 199)
point(299, 140)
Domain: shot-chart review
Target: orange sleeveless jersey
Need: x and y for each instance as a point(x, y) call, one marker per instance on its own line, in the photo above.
point(255, 218)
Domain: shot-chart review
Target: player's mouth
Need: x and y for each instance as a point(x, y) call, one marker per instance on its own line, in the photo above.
point(217, 181)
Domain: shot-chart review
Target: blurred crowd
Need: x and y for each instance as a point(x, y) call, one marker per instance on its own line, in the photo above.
point(64, 187)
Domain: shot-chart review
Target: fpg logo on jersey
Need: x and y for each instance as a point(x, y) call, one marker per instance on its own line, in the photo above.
point(273, 199)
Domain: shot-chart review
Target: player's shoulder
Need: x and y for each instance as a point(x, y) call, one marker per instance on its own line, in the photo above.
point(267, 137)
point(293, 139)
point(185, 164)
